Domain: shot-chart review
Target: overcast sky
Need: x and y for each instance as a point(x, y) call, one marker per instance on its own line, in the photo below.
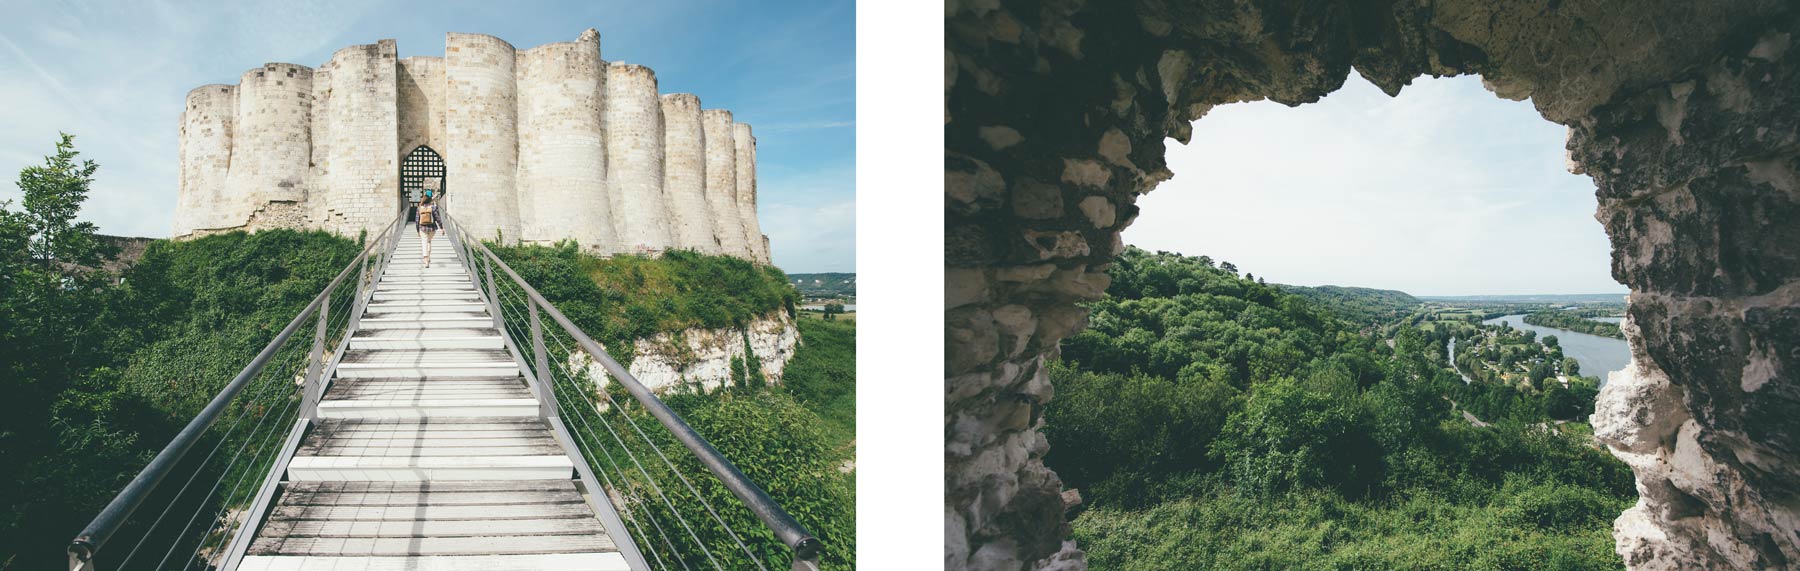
point(1444, 190)
point(115, 74)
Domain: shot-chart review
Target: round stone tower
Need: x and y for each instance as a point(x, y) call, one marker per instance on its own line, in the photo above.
point(562, 154)
point(684, 173)
point(746, 191)
point(721, 182)
point(482, 120)
point(206, 124)
point(634, 139)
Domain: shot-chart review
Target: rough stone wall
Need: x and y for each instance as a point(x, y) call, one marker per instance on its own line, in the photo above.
point(359, 189)
point(420, 98)
point(482, 159)
point(684, 173)
point(270, 148)
point(721, 182)
point(529, 139)
point(701, 358)
point(205, 149)
point(1684, 113)
point(746, 190)
point(562, 152)
point(634, 142)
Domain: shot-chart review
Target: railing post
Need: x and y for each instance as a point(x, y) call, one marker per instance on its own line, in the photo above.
point(541, 362)
point(806, 564)
point(315, 365)
point(362, 290)
point(494, 300)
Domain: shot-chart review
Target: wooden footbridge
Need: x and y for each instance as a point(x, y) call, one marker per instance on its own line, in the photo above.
point(434, 420)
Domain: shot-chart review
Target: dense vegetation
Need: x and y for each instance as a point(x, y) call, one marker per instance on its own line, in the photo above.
point(1574, 322)
point(100, 370)
point(621, 298)
point(1215, 422)
point(790, 439)
point(1360, 304)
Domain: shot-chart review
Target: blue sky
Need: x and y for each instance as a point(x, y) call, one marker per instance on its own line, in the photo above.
point(115, 73)
point(1444, 190)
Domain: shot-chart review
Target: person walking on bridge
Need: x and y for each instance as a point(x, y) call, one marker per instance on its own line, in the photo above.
point(428, 226)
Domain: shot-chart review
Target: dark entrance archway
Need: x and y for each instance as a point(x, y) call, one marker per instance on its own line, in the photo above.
point(422, 169)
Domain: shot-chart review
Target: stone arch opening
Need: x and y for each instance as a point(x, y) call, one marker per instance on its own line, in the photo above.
point(421, 170)
point(1683, 113)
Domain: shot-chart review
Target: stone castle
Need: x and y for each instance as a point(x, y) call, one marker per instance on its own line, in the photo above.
point(536, 146)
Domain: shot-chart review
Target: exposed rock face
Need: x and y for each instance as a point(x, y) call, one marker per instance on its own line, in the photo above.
point(701, 358)
point(1686, 114)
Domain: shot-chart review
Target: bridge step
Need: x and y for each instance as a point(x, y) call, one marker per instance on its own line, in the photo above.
point(452, 286)
point(427, 342)
point(382, 468)
point(429, 408)
point(569, 561)
point(349, 389)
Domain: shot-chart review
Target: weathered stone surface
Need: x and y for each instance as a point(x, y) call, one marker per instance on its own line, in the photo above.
point(540, 145)
point(1685, 113)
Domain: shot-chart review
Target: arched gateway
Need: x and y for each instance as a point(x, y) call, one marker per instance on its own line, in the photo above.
point(421, 170)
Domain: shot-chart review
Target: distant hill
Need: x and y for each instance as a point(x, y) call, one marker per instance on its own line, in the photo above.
point(1535, 298)
point(1359, 304)
point(835, 284)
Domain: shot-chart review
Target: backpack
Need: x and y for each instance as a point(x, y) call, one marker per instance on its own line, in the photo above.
point(426, 217)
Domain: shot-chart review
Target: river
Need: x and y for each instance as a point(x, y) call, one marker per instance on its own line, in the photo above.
point(1597, 355)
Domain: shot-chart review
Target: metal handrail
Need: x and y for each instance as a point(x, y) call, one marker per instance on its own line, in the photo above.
point(806, 548)
point(94, 537)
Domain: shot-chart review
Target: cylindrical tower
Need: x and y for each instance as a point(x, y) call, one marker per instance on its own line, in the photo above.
point(271, 146)
point(684, 173)
point(746, 190)
point(358, 188)
point(562, 154)
point(721, 183)
point(205, 149)
point(482, 123)
point(634, 146)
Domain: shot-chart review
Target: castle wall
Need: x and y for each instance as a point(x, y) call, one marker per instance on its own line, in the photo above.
point(562, 152)
point(746, 191)
point(265, 185)
point(359, 190)
point(420, 99)
point(481, 158)
point(721, 182)
point(205, 148)
point(540, 145)
point(684, 173)
point(634, 141)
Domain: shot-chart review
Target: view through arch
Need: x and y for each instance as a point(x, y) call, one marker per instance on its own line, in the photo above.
point(421, 170)
point(1319, 320)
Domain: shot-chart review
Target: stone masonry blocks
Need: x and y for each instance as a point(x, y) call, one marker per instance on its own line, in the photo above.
point(562, 152)
point(634, 137)
point(481, 163)
point(271, 142)
point(684, 173)
point(746, 190)
point(540, 145)
point(205, 149)
point(721, 182)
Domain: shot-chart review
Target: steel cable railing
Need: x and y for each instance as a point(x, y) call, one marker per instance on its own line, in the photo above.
point(225, 493)
point(684, 505)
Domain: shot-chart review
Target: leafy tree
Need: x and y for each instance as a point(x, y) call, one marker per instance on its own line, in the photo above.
point(832, 310)
point(1550, 341)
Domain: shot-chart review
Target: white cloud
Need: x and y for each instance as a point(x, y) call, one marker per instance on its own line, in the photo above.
point(1445, 189)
